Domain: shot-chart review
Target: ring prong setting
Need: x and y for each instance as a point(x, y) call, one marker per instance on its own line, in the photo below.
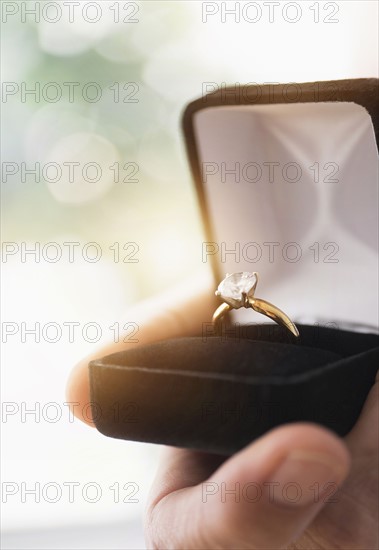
point(237, 288)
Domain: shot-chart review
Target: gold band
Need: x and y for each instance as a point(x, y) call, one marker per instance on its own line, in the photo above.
point(248, 300)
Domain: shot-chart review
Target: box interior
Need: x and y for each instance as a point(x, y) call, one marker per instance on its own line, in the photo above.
point(291, 191)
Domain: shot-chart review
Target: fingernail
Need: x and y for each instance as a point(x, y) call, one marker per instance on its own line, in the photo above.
point(304, 478)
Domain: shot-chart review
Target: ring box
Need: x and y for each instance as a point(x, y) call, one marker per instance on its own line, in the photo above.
point(286, 177)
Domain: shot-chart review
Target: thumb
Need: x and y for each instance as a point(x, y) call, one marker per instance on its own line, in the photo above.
point(267, 494)
point(363, 439)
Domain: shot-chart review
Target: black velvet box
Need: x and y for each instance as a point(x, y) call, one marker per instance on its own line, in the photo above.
point(217, 394)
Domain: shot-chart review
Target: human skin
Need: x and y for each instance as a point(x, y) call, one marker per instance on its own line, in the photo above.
point(186, 509)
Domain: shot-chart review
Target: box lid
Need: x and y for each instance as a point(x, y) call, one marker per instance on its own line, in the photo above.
point(287, 181)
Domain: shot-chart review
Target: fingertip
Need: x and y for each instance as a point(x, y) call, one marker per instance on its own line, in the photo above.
point(281, 479)
point(363, 438)
point(314, 438)
point(264, 455)
point(78, 392)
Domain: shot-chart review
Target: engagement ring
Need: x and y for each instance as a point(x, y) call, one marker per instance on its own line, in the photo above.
point(237, 290)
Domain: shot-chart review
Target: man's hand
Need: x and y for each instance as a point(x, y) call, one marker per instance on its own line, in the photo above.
point(297, 487)
point(282, 492)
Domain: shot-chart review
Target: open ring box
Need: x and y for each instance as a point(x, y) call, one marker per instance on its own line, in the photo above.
point(286, 177)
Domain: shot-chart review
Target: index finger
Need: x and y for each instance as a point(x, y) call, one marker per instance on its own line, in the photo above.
point(180, 311)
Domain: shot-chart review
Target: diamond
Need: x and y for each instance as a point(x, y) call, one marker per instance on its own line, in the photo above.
point(235, 287)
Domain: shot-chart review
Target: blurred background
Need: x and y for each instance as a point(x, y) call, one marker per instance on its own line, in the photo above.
point(104, 85)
